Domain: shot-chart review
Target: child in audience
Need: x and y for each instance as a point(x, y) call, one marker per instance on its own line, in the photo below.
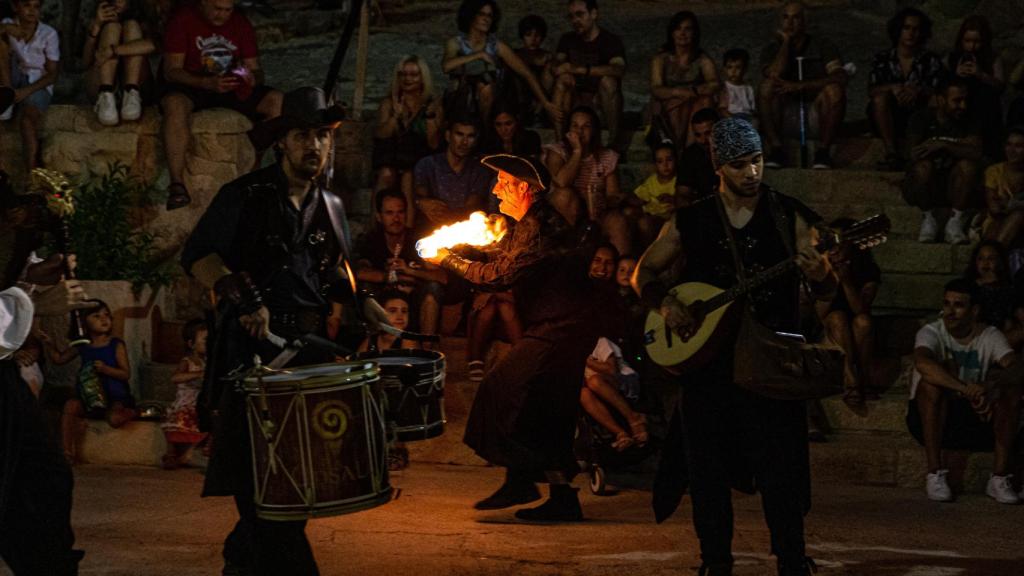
point(181, 429)
point(610, 384)
point(658, 193)
point(533, 30)
point(29, 63)
point(103, 391)
point(737, 97)
point(396, 304)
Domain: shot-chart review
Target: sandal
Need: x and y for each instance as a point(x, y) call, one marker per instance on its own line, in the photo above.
point(622, 441)
point(639, 428)
point(476, 370)
point(177, 196)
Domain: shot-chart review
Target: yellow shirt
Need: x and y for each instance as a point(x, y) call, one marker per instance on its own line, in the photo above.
point(649, 192)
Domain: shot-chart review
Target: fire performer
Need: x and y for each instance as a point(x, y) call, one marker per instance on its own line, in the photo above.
point(268, 245)
point(524, 413)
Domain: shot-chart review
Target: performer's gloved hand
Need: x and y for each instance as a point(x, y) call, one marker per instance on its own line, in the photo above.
point(256, 324)
point(239, 289)
point(456, 264)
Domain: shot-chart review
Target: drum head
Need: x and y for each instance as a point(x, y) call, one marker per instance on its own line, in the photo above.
point(317, 375)
point(402, 357)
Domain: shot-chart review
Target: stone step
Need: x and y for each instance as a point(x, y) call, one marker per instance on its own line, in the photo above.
point(137, 443)
point(839, 186)
point(887, 414)
point(155, 382)
point(912, 293)
point(892, 459)
point(903, 255)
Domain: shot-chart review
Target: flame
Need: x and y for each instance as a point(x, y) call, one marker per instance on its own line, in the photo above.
point(479, 230)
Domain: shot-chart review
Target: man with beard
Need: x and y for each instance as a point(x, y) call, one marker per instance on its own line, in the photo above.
point(734, 437)
point(524, 413)
point(946, 156)
point(268, 246)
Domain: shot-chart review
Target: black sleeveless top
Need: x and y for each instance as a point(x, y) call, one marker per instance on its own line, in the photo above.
point(709, 260)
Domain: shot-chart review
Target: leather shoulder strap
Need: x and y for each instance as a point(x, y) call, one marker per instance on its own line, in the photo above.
point(339, 222)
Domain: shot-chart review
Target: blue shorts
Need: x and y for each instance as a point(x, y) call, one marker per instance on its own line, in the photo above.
point(40, 99)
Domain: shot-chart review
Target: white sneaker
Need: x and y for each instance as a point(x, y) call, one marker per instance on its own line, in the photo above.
point(7, 114)
point(131, 106)
point(1000, 489)
point(937, 488)
point(106, 109)
point(955, 229)
point(929, 229)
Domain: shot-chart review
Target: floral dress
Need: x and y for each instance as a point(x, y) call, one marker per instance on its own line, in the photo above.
point(182, 424)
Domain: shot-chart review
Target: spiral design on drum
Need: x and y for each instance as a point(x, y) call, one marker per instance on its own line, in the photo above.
point(330, 419)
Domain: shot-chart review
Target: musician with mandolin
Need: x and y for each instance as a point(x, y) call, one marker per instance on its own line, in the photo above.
point(723, 435)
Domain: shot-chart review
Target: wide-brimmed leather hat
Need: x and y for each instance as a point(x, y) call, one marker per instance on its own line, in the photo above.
point(302, 108)
point(519, 168)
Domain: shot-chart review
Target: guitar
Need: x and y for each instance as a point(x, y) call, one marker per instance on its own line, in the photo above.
point(713, 304)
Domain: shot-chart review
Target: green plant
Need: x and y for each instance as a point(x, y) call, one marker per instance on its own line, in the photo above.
point(106, 244)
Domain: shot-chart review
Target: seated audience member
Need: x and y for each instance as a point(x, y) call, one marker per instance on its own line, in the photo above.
point(823, 85)
point(658, 194)
point(946, 156)
point(181, 427)
point(683, 77)
point(396, 305)
point(974, 60)
point(488, 309)
point(103, 390)
point(1015, 113)
point(589, 65)
point(957, 401)
point(451, 184)
point(476, 59)
point(737, 96)
point(408, 128)
point(533, 30)
point(507, 135)
point(210, 61)
point(697, 176)
point(584, 174)
point(998, 302)
point(1004, 193)
point(847, 318)
point(29, 63)
point(117, 44)
point(902, 80)
point(609, 382)
point(387, 257)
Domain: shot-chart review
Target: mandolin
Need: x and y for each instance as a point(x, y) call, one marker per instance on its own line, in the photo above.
point(712, 303)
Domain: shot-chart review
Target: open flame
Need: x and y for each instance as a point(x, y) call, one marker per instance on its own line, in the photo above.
point(479, 230)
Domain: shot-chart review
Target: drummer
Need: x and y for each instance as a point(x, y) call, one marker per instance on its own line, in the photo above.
point(524, 414)
point(268, 245)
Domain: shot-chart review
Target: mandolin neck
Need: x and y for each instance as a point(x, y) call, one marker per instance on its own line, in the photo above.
point(746, 286)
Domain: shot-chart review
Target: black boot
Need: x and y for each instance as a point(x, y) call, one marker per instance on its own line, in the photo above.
point(720, 569)
point(804, 567)
point(562, 506)
point(517, 489)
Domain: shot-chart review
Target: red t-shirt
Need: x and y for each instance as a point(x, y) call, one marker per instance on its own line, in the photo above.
point(209, 49)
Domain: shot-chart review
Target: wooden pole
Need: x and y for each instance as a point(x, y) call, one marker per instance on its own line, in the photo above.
point(362, 49)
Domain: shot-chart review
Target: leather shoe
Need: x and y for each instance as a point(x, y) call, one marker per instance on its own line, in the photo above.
point(511, 493)
point(562, 506)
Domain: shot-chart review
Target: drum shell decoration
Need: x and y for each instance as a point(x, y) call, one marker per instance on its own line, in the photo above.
point(318, 441)
point(413, 381)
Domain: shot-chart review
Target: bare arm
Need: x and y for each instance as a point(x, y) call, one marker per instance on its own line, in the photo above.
point(453, 61)
point(778, 64)
point(253, 64)
point(519, 67)
point(51, 69)
point(183, 374)
point(612, 190)
point(387, 120)
point(174, 71)
point(564, 171)
point(934, 372)
point(665, 249)
point(711, 84)
point(365, 272)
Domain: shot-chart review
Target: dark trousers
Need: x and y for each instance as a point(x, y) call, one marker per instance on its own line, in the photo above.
point(266, 547)
point(35, 487)
point(737, 439)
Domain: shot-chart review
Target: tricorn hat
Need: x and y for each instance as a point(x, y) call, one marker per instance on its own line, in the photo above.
point(302, 108)
point(518, 167)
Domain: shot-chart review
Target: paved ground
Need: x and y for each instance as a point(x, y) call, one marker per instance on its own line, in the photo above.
point(146, 522)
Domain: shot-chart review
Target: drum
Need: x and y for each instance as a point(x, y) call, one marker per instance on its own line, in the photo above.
point(319, 444)
point(414, 385)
